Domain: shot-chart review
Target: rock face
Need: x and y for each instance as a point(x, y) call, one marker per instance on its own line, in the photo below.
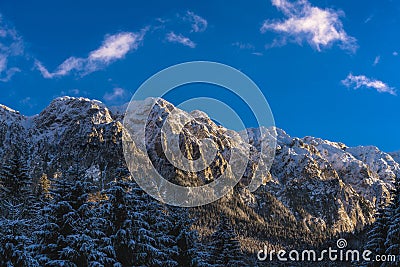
point(321, 184)
point(189, 149)
point(68, 130)
point(396, 156)
point(329, 184)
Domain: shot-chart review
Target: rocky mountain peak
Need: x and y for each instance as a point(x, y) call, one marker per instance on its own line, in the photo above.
point(67, 110)
point(4, 109)
point(9, 115)
point(320, 184)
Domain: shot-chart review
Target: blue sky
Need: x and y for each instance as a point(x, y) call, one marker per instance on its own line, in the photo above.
point(327, 68)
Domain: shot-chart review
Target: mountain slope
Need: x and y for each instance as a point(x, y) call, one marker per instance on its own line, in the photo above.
point(396, 156)
point(315, 187)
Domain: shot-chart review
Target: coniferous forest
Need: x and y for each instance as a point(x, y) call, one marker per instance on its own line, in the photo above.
point(69, 221)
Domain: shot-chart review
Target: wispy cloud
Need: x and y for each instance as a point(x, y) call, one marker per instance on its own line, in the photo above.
point(376, 60)
point(395, 53)
point(11, 47)
point(361, 81)
point(179, 38)
point(28, 101)
point(243, 46)
point(199, 24)
point(247, 46)
point(117, 93)
point(319, 27)
point(114, 47)
point(7, 74)
point(65, 68)
point(196, 23)
point(74, 91)
point(369, 18)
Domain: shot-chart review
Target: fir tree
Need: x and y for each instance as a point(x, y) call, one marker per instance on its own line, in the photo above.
point(16, 212)
point(161, 223)
point(154, 247)
point(15, 183)
point(65, 237)
point(393, 233)
point(226, 246)
point(119, 243)
point(189, 249)
point(51, 235)
point(14, 239)
point(377, 235)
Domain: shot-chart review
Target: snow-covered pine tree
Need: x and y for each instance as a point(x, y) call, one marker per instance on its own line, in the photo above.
point(51, 234)
point(42, 197)
point(15, 211)
point(190, 251)
point(161, 223)
point(15, 182)
point(131, 223)
point(14, 238)
point(184, 237)
point(65, 237)
point(377, 235)
point(119, 241)
point(393, 232)
point(97, 228)
point(225, 245)
point(78, 245)
point(154, 246)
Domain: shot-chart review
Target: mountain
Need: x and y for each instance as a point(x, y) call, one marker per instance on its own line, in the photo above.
point(315, 188)
point(395, 156)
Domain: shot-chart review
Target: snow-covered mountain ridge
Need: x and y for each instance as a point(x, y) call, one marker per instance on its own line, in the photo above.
point(395, 155)
point(321, 184)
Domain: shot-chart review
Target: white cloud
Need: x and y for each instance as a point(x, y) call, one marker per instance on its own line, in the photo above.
point(3, 62)
point(359, 81)
point(63, 69)
point(369, 18)
point(8, 74)
point(11, 47)
point(376, 60)
point(45, 73)
point(114, 47)
point(117, 93)
point(179, 38)
point(319, 27)
point(199, 24)
point(395, 53)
